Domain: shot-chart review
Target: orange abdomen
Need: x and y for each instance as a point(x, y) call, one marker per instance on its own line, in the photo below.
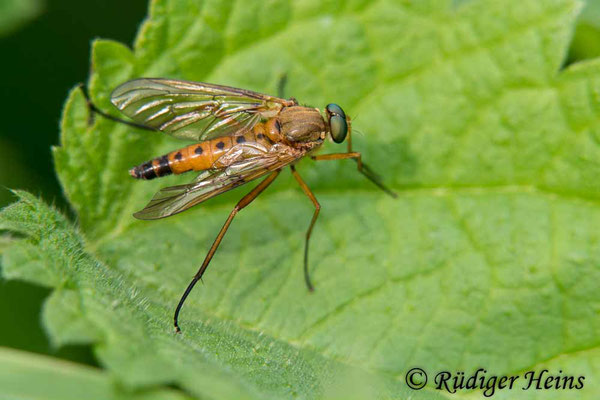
point(202, 156)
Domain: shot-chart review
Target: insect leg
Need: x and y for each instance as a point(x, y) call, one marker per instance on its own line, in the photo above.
point(95, 110)
point(362, 168)
point(281, 86)
point(247, 199)
point(314, 200)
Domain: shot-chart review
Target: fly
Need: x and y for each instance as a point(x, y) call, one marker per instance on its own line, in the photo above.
point(239, 135)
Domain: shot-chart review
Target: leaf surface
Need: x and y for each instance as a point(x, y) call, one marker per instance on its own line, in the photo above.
point(29, 376)
point(490, 257)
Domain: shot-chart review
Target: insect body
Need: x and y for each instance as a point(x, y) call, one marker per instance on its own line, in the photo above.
point(240, 136)
point(202, 156)
point(297, 123)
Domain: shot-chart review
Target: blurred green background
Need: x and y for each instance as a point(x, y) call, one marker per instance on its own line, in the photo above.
point(45, 49)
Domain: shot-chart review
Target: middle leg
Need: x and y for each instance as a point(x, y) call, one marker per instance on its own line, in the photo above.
point(315, 202)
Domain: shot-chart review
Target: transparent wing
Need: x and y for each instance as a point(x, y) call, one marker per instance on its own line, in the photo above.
point(193, 110)
point(175, 199)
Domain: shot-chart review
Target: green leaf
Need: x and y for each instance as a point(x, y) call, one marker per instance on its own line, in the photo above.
point(586, 41)
point(489, 258)
point(30, 376)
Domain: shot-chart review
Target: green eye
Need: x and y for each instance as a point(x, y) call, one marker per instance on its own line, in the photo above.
point(337, 122)
point(335, 109)
point(339, 128)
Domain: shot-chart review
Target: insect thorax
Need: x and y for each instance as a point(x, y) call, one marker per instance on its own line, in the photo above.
point(301, 124)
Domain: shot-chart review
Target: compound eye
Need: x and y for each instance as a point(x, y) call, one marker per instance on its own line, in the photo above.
point(339, 128)
point(334, 109)
point(338, 124)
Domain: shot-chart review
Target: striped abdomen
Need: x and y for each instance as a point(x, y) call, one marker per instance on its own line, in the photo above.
point(201, 156)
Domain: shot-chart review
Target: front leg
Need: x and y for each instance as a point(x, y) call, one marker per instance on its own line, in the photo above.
point(362, 168)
